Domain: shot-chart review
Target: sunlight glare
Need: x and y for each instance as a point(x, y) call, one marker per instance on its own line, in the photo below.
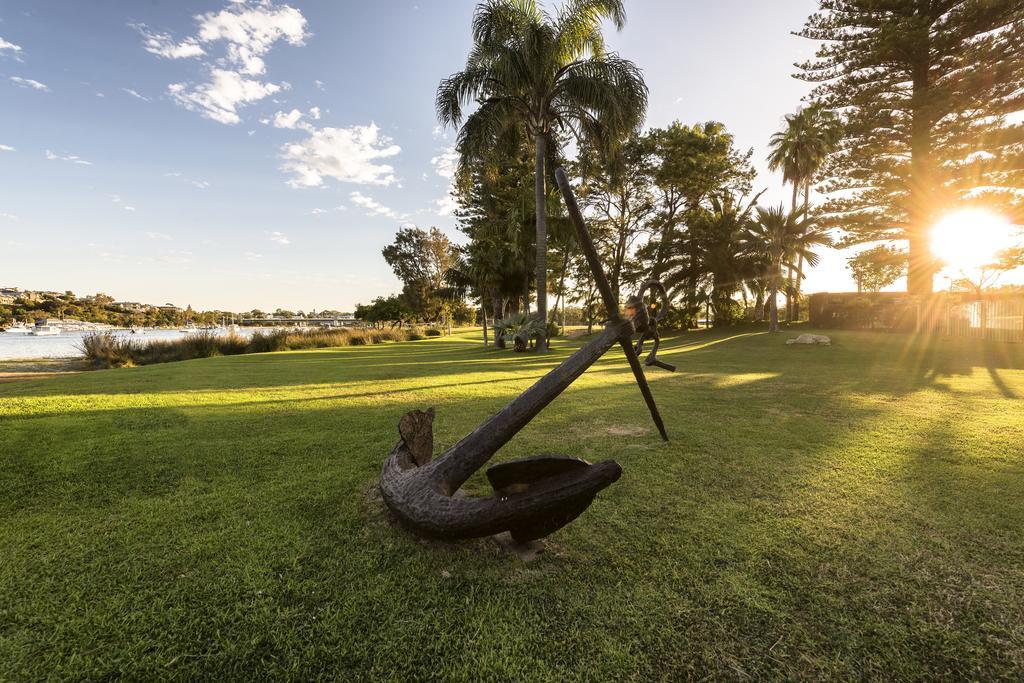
point(971, 238)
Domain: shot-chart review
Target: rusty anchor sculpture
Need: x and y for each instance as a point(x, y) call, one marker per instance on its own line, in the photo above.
point(532, 497)
point(646, 323)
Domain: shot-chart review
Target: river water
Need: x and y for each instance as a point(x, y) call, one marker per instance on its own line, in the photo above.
point(21, 346)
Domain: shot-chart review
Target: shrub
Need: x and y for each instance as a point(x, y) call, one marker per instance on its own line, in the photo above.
point(432, 332)
point(519, 329)
point(233, 344)
point(204, 344)
point(414, 334)
point(553, 330)
point(107, 350)
point(266, 342)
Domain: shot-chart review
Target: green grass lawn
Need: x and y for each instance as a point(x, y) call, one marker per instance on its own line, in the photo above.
point(852, 511)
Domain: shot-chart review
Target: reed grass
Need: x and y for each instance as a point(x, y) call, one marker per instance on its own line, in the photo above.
point(107, 350)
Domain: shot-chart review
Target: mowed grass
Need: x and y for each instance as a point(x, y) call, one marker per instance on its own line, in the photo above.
point(846, 512)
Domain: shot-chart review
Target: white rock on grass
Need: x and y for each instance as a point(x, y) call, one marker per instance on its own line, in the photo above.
point(811, 339)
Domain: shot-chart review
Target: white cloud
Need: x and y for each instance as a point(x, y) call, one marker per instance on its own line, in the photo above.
point(372, 206)
point(136, 95)
point(29, 83)
point(8, 216)
point(319, 84)
point(439, 133)
point(220, 98)
point(159, 236)
point(315, 113)
point(349, 155)
point(251, 30)
point(201, 184)
point(9, 46)
point(163, 45)
point(6, 148)
point(317, 212)
point(282, 120)
point(446, 162)
point(445, 205)
point(117, 200)
point(445, 165)
point(252, 256)
point(177, 256)
point(67, 157)
point(279, 238)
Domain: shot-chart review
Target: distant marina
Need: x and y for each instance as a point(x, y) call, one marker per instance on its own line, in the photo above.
point(61, 342)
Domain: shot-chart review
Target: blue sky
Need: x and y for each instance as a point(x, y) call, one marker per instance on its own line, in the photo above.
point(260, 154)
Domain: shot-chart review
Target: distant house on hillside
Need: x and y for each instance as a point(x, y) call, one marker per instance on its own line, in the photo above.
point(169, 308)
point(15, 293)
point(132, 306)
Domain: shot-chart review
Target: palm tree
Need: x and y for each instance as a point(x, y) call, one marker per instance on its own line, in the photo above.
point(720, 230)
point(799, 151)
point(781, 238)
point(549, 75)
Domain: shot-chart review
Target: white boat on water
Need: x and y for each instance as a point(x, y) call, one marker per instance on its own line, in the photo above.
point(45, 330)
point(18, 328)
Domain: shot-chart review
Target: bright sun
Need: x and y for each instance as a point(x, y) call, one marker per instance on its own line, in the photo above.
point(970, 239)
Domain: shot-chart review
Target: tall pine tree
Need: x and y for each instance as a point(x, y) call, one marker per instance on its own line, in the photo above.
point(930, 92)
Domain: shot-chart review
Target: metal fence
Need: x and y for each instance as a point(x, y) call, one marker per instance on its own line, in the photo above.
point(993, 319)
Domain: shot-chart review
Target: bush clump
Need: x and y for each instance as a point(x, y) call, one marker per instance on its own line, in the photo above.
point(108, 350)
point(432, 332)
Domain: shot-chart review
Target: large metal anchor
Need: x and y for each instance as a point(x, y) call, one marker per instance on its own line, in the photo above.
point(532, 497)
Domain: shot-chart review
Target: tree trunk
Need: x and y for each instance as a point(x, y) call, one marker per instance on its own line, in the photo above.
point(542, 236)
point(800, 260)
point(759, 306)
point(921, 268)
point(526, 292)
point(560, 305)
point(773, 293)
point(498, 308)
point(483, 314)
point(789, 276)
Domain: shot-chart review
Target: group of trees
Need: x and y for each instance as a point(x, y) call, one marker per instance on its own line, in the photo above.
point(929, 95)
point(912, 114)
point(422, 260)
point(101, 308)
point(673, 203)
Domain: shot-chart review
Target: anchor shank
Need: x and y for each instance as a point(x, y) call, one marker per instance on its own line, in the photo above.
point(583, 235)
point(458, 464)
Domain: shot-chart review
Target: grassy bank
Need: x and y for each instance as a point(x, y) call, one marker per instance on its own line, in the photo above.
point(849, 511)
